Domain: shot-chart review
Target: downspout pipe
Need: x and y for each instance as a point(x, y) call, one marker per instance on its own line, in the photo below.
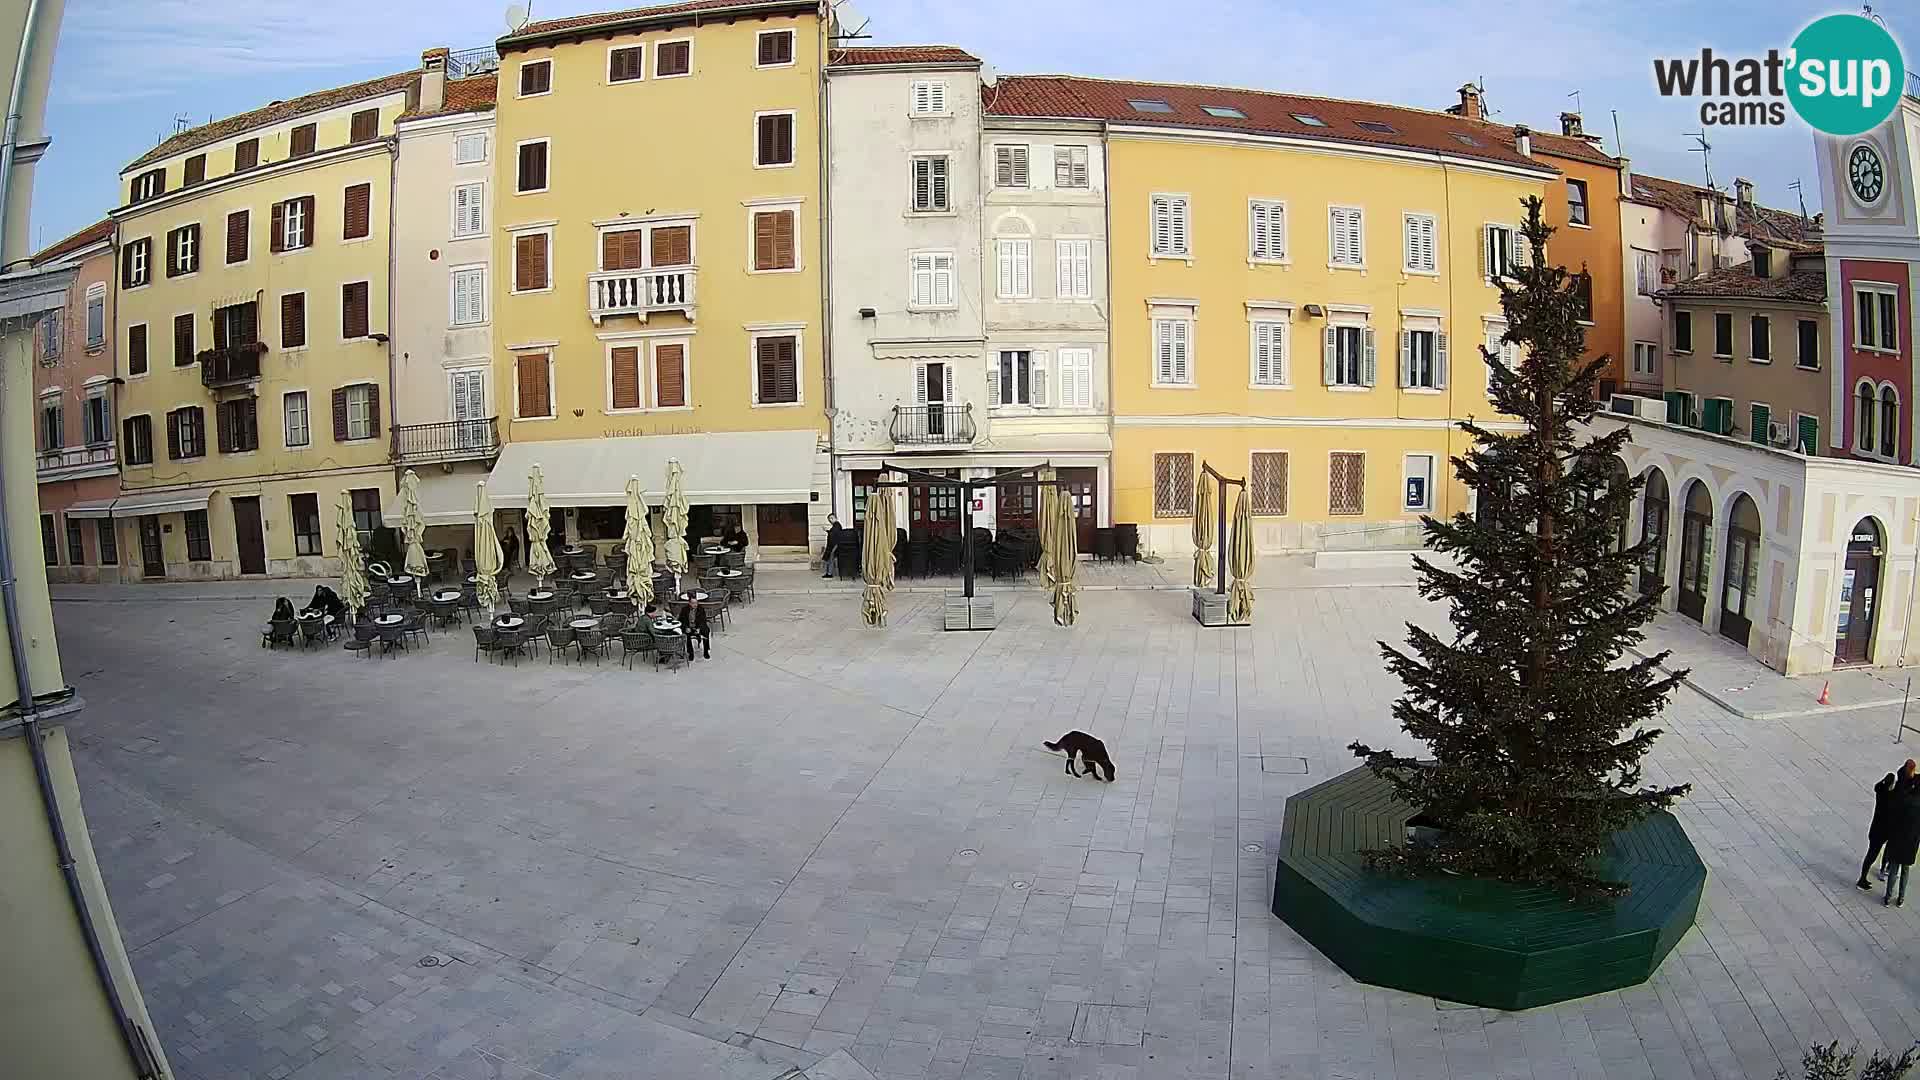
point(138, 1053)
point(825, 51)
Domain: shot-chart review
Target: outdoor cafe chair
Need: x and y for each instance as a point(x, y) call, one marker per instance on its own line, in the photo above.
point(670, 648)
point(517, 605)
point(597, 605)
point(559, 640)
point(392, 636)
point(590, 643)
point(277, 632)
point(313, 632)
point(612, 623)
point(634, 640)
point(716, 606)
point(484, 640)
point(510, 642)
point(361, 641)
point(416, 626)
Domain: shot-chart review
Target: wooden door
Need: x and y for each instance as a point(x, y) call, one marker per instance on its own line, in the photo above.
point(1859, 582)
point(248, 537)
point(1081, 485)
point(934, 511)
point(1696, 552)
point(782, 524)
point(152, 563)
point(1017, 507)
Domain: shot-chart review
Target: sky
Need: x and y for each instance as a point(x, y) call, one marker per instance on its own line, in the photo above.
point(125, 69)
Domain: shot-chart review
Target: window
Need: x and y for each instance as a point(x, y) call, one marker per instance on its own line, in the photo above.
point(199, 540)
point(237, 225)
point(929, 97)
point(1270, 352)
point(1266, 230)
point(356, 412)
point(353, 310)
point(194, 171)
point(1076, 378)
point(1348, 357)
point(1762, 263)
point(1722, 334)
point(297, 423)
point(1863, 421)
point(303, 141)
point(672, 245)
point(774, 245)
point(366, 508)
point(536, 78)
point(469, 299)
point(1498, 253)
point(1808, 355)
point(357, 212)
point(49, 541)
point(1423, 359)
point(932, 279)
point(1172, 352)
point(1762, 331)
point(1576, 202)
point(1419, 476)
point(1172, 485)
point(1877, 320)
point(1682, 331)
point(365, 126)
point(53, 424)
point(1267, 483)
point(137, 349)
point(1374, 126)
point(1421, 252)
point(532, 174)
point(627, 64)
point(530, 269)
point(50, 334)
point(774, 48)
point(470, 149)
point(292, 224)
point(1583, 293)
point(1889, 421)
point(148, 185)
point(773, 139)
point(1716, 415)
point(236, 425)
point(533, 399)
point(306, 523)
point(136, 436)
point(136, 267)
point(1761, 420)
point(1807, 435)
point(1010, 166)
point(930, 184)
point(1170, 227)
point(186, 433)
point(1644, 354)
point(103, 535)
point(1224, 112)
point(1646, 273)
point(76, 543)
point(623, 376)
point(1346, 236)
point(1015, 259)
point(1308, 119)
point(1019, 378)
point(96, 420)
point(96, 316)
point(672, 58)
point(1070, 167)
point(1346, 483)
point(1149, 105)
point(293, 320)
point(669, 376)
point(1073, 269)
point(183, 350)
point(776, 370)
point(246, 154)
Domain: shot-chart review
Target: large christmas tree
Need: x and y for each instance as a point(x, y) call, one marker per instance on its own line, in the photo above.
point(1535, 729)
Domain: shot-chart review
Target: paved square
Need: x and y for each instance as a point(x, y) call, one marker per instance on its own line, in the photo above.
point(831, 838)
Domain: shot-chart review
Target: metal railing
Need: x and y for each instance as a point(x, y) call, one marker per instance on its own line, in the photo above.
point(76, 458)
point(470, 62)
point(230, 364)
point(640, 292)
point(449, 441)
point(932, 425)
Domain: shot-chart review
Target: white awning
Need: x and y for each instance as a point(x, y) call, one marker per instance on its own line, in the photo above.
point(721, 467)
point(91, 508)
point(143, 503)
point(445, 498)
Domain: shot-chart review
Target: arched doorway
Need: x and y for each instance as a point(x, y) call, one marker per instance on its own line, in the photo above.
point(1653, 533)
point(1859, 587)
point(1743, 570)
point(1696, 551)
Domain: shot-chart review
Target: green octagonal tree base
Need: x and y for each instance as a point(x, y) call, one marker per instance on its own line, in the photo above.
point(1479, 942)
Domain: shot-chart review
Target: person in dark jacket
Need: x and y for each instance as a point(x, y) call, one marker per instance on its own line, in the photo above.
point(1903, 840)
point(1884, 794)
point(736, 538)
point(835, 537)
point(509, 549)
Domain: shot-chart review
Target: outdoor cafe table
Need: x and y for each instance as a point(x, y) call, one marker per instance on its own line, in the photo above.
point(584, 624)
point(539, 594)
point(727, 572)
point(446, 596)
point(581, 575)
point(400, 581)
point(509, 622)
point(694, 597)
point(390, 620)
point(573, 549)
point(716, 549)
point(667, 626)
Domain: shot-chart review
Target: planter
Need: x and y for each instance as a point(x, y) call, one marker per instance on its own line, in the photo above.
point(1470, 940)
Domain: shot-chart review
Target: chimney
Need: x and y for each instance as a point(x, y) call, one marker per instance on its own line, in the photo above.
point(1626, 177)
point(1470, 108)
point(1743, 193)
point(1705, 199)
point(433, 80)
point(1570, 125)
point(1523, 139)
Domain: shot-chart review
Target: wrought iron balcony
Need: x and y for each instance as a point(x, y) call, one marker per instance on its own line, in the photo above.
point(454, 440)
point(943, 426)
point(77, 462)
point(640, 292)
point(231, 365)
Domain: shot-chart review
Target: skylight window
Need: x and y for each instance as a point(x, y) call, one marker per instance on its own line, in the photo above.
point(1308, 119)
point(1373, 125)
point(1226, 112)
point(1465, 140)
point(1153, 105)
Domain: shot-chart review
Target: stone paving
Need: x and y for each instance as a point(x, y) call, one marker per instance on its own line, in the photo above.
point(844, 851)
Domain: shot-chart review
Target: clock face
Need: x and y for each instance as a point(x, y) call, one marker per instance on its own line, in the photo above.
point(1865, 174)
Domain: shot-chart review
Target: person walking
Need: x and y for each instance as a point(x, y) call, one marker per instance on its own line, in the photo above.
point(835, 537)
point(1885, 793)
point(509, 549)
point(1903, 840)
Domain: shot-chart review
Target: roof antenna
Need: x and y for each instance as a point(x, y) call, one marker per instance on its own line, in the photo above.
point(181, 122)
point(1480, 84)
point(1796, 189)
point(1576, 100)
point(1705, 150)
point(1619, 148)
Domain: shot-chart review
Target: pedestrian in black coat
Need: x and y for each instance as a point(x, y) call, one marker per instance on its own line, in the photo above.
point(1903, 840)
point(1884, 795)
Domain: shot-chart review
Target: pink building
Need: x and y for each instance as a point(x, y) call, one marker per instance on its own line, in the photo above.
point(74, 387)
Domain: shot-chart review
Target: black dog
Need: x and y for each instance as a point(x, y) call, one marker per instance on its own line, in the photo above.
point(1093, 753)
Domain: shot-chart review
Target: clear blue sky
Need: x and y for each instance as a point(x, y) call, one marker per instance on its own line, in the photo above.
point(126, 68)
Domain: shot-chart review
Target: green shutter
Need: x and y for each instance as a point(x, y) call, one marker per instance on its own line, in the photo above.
point(1809, 435)
point(1676, 406)
point(1762, 417)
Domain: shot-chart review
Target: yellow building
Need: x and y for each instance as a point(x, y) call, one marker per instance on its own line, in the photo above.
point(659, 297)
point(1300, 287)
point(252, 324)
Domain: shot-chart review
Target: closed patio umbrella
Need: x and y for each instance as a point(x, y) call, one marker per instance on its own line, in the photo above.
point(1240, 562)
point(1202, 533)
point(876, 556)
point(1049, 531)
point(353, 571)
point(676, 516)
point(413, 526)
point(487, 557)
point(1066, 559)
point(539, 524)
point(637, 542)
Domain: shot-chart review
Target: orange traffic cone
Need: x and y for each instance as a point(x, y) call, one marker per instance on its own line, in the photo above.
point(1824, 687)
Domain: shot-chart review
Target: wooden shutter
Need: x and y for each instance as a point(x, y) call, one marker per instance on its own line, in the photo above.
point(622, 250)
point(673, 245)
point(763, 240)
point(1440, 360)
point(673, 58)
point(340, 415)
point(626, 65)
point(626, 377)
point(127, 445)
point(277, 232)
point(373, 409)
point(310, 219)
point(303, 140)
point(776, 47)
point(173, 252)
point(173, 435)
point(536, 77)
point(137, 349)
point(670, 376)
point(293, 320)
point(246, 154)
point(533, 167)
point(1267, 482)
point(237, 223)
point(353, 310)
point(779, 377)
point(366, 125)
point(223, 426)
point(196, 169)
point(357, 215)
point(531, 371)
point(776, 140)
point(530, 261)
point(182, 340)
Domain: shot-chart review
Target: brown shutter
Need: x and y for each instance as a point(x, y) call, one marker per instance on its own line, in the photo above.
point(783, 247)
point(670, 376)
point(373, 409)
point(533, 167)
point(237, 236)
point(173, 435)
point(357, 217)
point(126, 265)
point(673, 246)
point(783, 138)
point(626, 377)
point(536, 77)
point(353, 310)
point(246, 155)
point(183, 340)
point(787, 357)
point(779, 382)
point(278, 231)
point(535, 399)
point(249, 323)
point(340, 415)
point(303, 140)
point(312, 219)
point(173, 252)
point(196, 169)
point(137, 349)
point(672, 58)
point(293, 320)
point(126, 440)
point(763, 230)
point(366, 125)
point(530, 261)
point(621, 250)
point(223, 427)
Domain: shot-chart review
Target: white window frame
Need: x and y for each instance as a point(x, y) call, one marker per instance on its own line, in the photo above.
point(547, 180)
point(606, 73)
point(1167, 322)
point(796, 331)
point(932, 272)
point(1067, 393)
point(1652, 368)
point(921, 381)
point(96, 297)
point(650, 392)
point(366, 411)
point(1277, 324)
point(1423, 324)
point(1362, 322)
point(477, 296)
point(1493, 329)
point(1071, 253)
point(306, 419)
point(187, 250)
point(770, 206)
point(913, 194)
point(140, 263)
point(519, 79)
point(793, 49)
point(553, 399)
point(1039, 375)
point(295, 210)
point(477, 204)
point(687, 74)
point(464, 138)
point(1019, 166)
point(96, 392)
point(1275, 211)
point(1646, 271)
point(1334, 262)
point(1878, 288)
point(1013, 263)
point(1508, 255)
point(1586, 203)
point(513, 260)
point(753, 147)
point(1411, 222)
point(934, 98)
point(1078, 160)
point(1426, 474)
point(1178, 209)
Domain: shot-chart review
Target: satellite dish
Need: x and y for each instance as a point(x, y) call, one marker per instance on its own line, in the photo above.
point(852, 23)
point(517, 15)
point(988, 76)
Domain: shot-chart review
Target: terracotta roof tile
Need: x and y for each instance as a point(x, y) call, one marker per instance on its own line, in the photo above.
point(1566, 146)
point(586, 22)
point(92, 234)
point(1259, 111)
point(1807, 286)
point(207, 134)
point(463, 95)
point(1783, 227)
point(900, 54)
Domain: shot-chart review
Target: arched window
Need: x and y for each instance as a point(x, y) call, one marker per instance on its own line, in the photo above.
point(1889, 421)
point(1863, 426)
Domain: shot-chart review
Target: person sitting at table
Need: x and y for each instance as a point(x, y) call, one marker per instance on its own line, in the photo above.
point(328, 602)
point(693, 621)
point(736, 537)
point(283, 610)
point(652, 611)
